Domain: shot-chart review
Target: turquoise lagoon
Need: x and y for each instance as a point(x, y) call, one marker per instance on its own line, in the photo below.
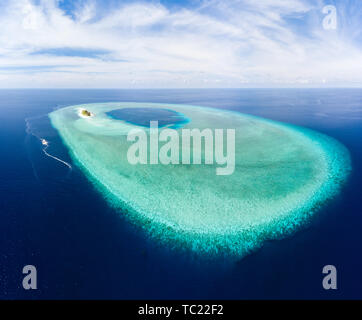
point(283, 174)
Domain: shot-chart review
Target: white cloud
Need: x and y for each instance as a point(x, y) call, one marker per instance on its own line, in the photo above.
point(218, 44)
point(85, 12)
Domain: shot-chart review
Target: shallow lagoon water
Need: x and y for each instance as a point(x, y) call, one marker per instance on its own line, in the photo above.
point(283, 174)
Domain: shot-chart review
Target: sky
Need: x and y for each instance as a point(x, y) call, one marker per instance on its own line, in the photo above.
point(180, 44)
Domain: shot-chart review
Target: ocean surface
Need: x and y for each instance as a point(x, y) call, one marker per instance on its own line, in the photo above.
point(55, 219)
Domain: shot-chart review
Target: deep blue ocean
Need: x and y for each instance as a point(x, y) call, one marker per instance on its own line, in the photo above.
point(56, 220)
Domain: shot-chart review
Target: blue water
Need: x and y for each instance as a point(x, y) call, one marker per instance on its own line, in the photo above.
point(143, 116)
point(53, 218)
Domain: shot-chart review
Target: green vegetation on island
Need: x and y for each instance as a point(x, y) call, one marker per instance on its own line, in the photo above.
point(86, 113)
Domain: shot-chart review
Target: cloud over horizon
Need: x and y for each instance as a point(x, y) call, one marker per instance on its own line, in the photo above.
point(187, 44)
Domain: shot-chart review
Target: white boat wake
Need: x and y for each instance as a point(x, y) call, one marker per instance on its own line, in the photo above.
point(46, 144)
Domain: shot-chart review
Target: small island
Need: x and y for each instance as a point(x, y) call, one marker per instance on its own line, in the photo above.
point(86, 113)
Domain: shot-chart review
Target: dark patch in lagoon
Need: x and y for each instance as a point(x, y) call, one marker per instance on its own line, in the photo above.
point(143, 116)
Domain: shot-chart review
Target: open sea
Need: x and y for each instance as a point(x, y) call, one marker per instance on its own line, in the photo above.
point(55, 219)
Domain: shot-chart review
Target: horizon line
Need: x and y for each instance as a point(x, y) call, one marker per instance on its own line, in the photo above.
point(179, 88)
